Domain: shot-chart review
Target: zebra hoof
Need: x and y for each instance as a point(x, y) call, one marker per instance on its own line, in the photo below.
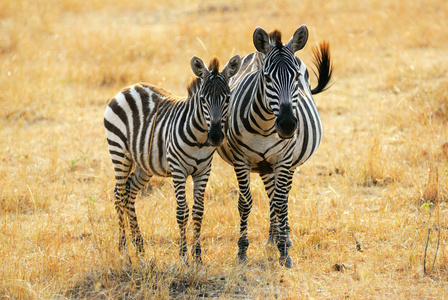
point(198, 260)
point(122, 245)
point(271, 241)
point(286, 262)
point(183, 262)
point(241, 258)
point(140, 250)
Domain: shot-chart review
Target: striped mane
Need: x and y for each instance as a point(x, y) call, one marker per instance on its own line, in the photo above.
point(275, 38)
point(194, 86)
point(214, 66)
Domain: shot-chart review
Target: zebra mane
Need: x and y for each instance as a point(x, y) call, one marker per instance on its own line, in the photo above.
point(194, 86)
point(275, 37)
point(214, 66)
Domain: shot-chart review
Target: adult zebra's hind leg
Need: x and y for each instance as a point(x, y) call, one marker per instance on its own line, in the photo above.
point(283, 182)
point(244, 208)
point(138, 179)
point(269, 185)
point(200, 182)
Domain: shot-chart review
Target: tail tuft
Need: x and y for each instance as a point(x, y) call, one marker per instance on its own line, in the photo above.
point(322, 60)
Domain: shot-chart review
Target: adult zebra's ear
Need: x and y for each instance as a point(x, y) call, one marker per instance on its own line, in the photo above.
point(232, 67)
point(299, 39)
point(261, 40)
point(198, 67)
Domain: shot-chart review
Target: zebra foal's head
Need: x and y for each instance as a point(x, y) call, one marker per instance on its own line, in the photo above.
point(214, 94)
point(283, 76)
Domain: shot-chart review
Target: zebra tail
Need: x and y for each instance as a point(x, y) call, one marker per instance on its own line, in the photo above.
point(322, 60)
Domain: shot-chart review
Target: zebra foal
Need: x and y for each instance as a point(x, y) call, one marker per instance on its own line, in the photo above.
point(150, 132)
point(273, 126)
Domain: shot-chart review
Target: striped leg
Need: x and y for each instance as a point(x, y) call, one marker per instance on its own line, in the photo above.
point(182, 212)
point(283, 181)
point(269, 185)
point(120, 200)
point(200, 182)
point(244, 208)
point(122, 167)
point(138, 179)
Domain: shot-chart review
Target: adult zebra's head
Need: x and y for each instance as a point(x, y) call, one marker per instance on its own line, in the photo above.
point(283, 76)
point(214, 94)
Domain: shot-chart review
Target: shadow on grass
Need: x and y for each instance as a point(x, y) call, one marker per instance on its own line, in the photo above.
point(157, 280)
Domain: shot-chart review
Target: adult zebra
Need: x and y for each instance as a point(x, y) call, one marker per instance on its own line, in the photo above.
point(273, 126)
point(157, 134)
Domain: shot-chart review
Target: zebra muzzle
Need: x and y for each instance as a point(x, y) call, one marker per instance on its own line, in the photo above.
point(215, 135)
point(286, 122)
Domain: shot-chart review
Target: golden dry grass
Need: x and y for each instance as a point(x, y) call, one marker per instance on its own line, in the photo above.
point(358, 225)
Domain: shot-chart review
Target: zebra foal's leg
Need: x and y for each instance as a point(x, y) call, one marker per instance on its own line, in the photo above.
point(120, 200)
point(244, 208)
point(182, 212)
point(200, 182)
point(122, 168)
point(136, 182)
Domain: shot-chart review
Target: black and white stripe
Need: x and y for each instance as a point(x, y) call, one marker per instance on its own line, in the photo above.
point(273, 126)
point(150, 132)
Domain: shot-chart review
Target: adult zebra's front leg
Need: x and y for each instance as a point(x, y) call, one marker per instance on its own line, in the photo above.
point(279, 203)
point(244, 208)
point(269, 185)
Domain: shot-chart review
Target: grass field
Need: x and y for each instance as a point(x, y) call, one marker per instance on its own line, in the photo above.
point(366, 211)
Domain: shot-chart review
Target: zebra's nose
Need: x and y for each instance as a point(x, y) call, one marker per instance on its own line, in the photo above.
point(286, 123)
point(215, 135)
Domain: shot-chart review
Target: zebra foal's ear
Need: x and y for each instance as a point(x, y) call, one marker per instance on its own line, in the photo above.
point(299, 39)
point(261, 40)
point(232, 67)
point(198, 67)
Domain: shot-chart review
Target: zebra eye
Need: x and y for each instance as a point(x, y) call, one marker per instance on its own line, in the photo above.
point(202, 98)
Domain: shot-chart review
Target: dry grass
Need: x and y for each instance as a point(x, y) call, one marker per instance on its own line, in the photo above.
point(358, 225)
